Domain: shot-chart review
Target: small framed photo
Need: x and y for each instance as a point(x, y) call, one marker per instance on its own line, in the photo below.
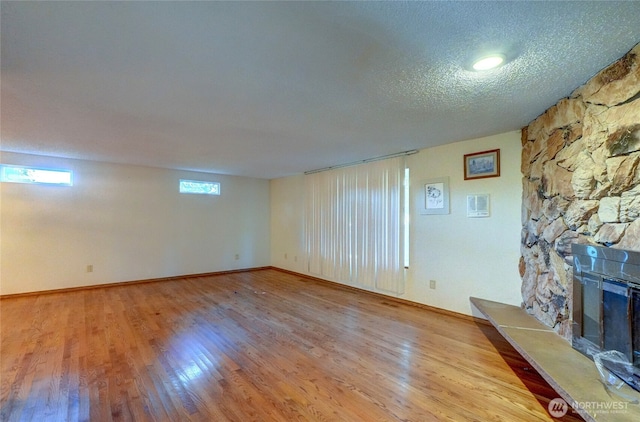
point(483, 164)
point(435, 196)
point(478, 205)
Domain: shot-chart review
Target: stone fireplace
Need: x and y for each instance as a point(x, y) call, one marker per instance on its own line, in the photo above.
point(581, 185)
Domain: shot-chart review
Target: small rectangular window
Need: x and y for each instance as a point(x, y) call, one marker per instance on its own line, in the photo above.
point(197, 186)
point(17, 174)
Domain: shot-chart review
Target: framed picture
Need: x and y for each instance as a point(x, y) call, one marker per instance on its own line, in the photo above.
point(482, 164)
point(434, 198)
point(478, 205)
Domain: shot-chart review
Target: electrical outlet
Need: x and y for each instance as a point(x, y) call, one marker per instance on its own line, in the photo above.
point(89, 268)
point(237, 257)
point(432, 284)
point(295, 258)
point(285, 256)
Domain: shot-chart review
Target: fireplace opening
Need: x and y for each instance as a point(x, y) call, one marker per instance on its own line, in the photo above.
point(606, 306)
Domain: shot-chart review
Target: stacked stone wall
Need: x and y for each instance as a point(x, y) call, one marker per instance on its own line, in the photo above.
point(581, 184)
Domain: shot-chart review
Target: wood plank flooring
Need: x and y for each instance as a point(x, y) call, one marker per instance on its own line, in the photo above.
point(255, 346)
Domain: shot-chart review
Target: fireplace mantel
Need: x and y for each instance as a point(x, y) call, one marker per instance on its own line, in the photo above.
point(571, 374)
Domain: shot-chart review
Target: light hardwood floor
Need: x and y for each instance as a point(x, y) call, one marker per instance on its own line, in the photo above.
point(256, 346)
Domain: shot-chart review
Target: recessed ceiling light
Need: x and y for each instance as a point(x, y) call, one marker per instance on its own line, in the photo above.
point(488, 62)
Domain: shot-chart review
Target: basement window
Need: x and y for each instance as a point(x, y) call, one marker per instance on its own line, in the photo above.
point(33, 175)
point(199, 187)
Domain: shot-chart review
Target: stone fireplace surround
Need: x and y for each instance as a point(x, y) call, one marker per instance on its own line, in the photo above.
point(581, 184)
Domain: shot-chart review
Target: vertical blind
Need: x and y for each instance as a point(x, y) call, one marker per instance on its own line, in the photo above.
point(355, 224)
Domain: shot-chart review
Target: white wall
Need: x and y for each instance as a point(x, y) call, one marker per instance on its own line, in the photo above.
point(287, 223)
point(466, 256)
point(129, 222)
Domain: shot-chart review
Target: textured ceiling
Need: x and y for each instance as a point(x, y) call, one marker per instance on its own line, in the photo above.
point(268, 89)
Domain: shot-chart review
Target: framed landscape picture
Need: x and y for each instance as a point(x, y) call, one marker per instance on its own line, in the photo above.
point(483, 164)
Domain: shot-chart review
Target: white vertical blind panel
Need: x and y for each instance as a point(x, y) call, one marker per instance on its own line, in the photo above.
point(312, 225)
point(354, 224)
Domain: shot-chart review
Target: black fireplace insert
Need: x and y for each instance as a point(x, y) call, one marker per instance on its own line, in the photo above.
point(606, 305)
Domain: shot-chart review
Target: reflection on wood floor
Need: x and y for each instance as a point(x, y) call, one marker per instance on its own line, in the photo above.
point(255, 346)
